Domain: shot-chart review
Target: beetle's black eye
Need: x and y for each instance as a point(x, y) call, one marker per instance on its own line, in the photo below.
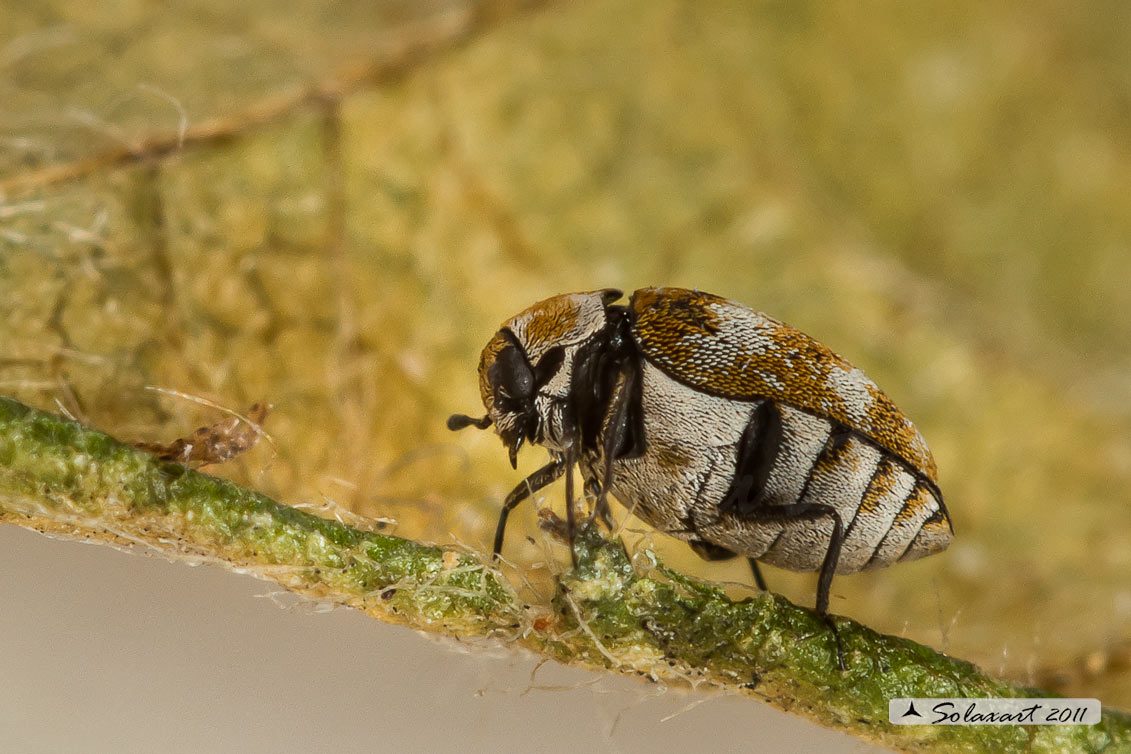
point(511, 375)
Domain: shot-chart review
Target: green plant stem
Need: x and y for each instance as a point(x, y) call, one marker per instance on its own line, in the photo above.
point(57, 476)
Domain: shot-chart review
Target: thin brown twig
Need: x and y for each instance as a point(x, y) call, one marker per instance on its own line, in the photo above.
point(418, 44)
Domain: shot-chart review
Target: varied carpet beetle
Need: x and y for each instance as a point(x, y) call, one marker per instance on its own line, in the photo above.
point(715, 424)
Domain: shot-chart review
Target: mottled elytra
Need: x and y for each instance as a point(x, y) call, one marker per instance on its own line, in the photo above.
point(715, 424)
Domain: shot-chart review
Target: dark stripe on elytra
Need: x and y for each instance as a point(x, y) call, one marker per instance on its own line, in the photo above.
point(909, 466)
point(911, 495)
point(884, 464)
point(838, 437)
point(781, 533)
point(697, 502)
point(933, 518)
point(754, 460)
point(921, 479)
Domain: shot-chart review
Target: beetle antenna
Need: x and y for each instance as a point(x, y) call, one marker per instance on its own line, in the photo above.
point(460, 421)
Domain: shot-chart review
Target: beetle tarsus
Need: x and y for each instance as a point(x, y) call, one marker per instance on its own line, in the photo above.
point(839, 646)
point(601, 510)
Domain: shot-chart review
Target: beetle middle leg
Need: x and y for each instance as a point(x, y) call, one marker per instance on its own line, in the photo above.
point(757, 453)
point(601, 507)
point(622, 432)
point(571, 523)
point(759, 580)
point(622, 437)
point(712, 552)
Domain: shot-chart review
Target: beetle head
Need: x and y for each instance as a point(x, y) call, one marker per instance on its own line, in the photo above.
point(526, 371)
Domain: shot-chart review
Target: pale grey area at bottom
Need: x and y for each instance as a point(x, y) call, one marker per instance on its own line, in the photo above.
point(102, 651)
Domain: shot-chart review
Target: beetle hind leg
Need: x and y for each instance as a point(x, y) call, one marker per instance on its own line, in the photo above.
point(809, 512)
point(711, 552)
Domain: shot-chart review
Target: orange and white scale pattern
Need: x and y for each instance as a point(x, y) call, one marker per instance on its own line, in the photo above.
point(709, 363)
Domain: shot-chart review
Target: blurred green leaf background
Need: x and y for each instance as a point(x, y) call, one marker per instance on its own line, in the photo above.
point(332, 206)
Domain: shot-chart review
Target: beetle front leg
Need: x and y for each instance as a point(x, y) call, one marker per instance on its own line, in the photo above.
point(616, 430)
point(525, 489)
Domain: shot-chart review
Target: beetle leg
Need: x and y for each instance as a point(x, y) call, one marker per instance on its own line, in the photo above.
point(525, 489)
point(591, 489)
point(615, 433)
point(601, 511)
point(712, 552)
point(571, 523)
point(759, 580)
point(810, 511)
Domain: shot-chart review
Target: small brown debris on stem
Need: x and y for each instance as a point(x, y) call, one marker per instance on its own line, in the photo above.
point(214, 443)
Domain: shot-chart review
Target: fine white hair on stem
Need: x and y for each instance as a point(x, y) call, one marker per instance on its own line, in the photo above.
point(63, 410)
point(182, 114)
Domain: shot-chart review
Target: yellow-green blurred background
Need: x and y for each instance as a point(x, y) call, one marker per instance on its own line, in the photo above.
point(332, 206)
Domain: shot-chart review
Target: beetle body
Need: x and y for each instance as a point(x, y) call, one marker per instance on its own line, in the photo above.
point(715, 424)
